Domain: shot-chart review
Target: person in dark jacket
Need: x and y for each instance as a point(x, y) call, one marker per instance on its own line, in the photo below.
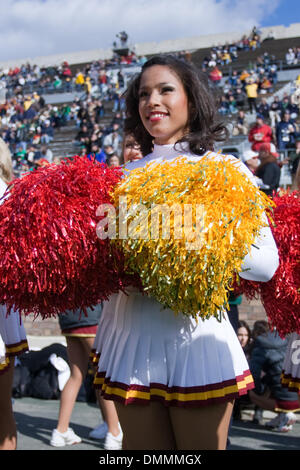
point(266, 361)
point(268, 170)
point(285, 132)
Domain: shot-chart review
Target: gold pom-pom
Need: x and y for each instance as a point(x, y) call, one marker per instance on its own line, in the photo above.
point(185, 227)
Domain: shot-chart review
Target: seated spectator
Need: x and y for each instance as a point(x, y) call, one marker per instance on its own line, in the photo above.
point(223, 106)
point(285, 105)
point(36, 138)
point(260, 133)
point(275, 111)
point(47, 132)
point(226, 58)
point(268, 170)
point(109, 151)
point(113, 161)
point(32, 155)
point(232, 105)
point(97, 136)
point(272, 75)
point(79, 80)
point(233, 79)
point(245, 338)
point(263, 108)
point(83, 136)
point(293, 109)
point(241, 126)
point(117, 119)
point(20, 152)
point(294, 158)
point(57, 82)
point(113, 138)
point(97, 154)
point(290, 57)
point(250, 158)
point(266, 360)
point(46, 154)
point(286, 132)
point(83, 151)
point(240, 98)
point(131, 151)
point(265, 85)
point(57, 160)
point(244, 76)
point(215, 75)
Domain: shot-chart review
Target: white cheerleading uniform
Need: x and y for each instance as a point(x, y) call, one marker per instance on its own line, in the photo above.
point(146, 352)
point(13, 340)
point(290, 377)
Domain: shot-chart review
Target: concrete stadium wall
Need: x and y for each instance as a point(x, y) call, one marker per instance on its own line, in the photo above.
point(148, 48)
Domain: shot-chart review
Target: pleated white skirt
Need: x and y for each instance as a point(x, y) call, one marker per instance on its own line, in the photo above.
point(145, 353)
point(13, 340)
point(290, 377)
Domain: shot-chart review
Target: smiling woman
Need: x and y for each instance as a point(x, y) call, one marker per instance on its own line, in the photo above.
point(163, 105)
point(170, 94)
point(173, 377)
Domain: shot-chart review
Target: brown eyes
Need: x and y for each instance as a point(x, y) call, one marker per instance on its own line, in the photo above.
point(165, 89)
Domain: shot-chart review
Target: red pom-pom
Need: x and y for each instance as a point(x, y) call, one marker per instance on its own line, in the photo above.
point(51, 259)
point(281, 295)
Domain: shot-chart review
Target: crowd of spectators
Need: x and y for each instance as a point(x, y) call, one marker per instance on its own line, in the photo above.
point(228, 53)
point(28, 125)
point(94, 138)
point(241, 90)
point(28, 78)
point(292, 57)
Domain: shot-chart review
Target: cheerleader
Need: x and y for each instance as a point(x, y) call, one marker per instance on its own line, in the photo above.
point(173, 378)
point(12, 336)
point(290, 377)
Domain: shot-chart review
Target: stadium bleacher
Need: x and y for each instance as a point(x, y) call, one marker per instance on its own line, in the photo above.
point(62, 144)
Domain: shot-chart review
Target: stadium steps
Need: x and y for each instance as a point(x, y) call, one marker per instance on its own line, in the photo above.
point(63, 141)
point(275, 47)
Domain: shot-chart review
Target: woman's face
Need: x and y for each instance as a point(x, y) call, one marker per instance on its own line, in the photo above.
point(114, 162)
point(131, 150)
point(243, 336)
point(163, 105)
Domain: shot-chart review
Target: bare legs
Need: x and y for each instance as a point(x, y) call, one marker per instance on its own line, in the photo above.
point(109, 414)
point(155, 426)
point(78, 350)
point(78, 354)
point(8, 431)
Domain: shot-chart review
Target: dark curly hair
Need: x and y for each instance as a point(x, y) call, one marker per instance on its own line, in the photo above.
point(204, 128)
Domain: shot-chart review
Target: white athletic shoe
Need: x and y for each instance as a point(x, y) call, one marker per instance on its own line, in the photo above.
point(99, 432)
point(273, 423)
point(283, 422)
point(113, 442)
point(61, 439)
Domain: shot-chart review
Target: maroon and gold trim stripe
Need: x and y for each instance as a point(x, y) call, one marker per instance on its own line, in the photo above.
point(285, 406)
point(17, 348)
point(179, 396)
point(81, 332)
point(290, 382)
